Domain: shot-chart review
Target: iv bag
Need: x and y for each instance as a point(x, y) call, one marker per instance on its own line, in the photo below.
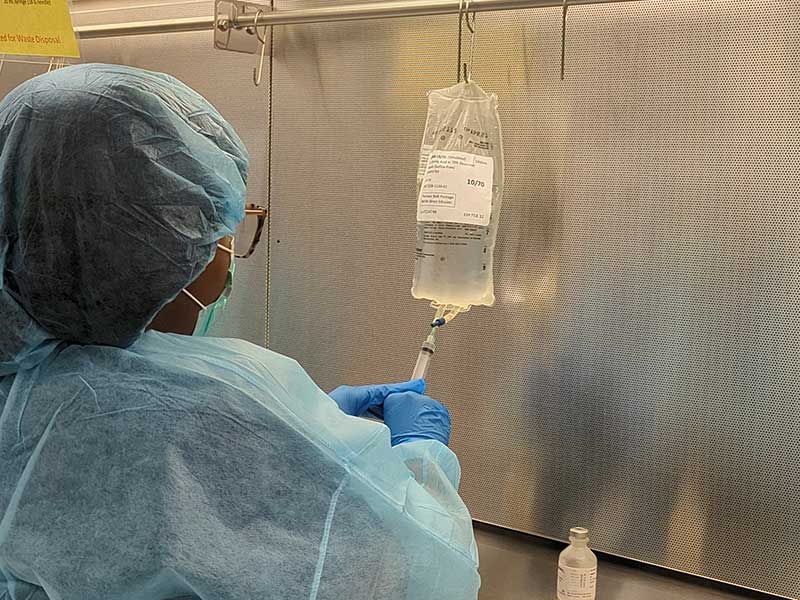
point(459, 194)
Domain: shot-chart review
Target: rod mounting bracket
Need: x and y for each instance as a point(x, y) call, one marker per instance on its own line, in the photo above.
point(229, 35)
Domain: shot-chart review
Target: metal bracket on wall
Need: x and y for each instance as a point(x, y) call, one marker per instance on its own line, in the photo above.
point(229, 35)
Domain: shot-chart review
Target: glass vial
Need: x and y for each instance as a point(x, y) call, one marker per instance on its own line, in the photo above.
point(577, 568)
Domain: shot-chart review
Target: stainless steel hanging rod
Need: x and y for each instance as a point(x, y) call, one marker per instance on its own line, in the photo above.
point(344, 12)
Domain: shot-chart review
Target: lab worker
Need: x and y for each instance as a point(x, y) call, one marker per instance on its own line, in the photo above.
point(142, 461)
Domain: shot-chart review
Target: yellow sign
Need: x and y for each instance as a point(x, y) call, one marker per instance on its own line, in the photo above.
point(37, 27)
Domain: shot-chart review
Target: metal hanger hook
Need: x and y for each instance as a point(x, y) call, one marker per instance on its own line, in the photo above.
point(458, 41)
point(257, 72)
point(564, 9)
point(470, 25)
point(255, 26)
point(463, 16)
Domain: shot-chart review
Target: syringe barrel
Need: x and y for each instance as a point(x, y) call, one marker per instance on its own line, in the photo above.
point(423, 360)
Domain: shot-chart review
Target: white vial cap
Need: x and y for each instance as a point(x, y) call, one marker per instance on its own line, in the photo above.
point(579, 533)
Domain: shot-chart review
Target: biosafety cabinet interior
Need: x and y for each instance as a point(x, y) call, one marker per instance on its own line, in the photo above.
point(639, 373)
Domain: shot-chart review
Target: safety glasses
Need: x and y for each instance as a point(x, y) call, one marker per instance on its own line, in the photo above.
point(253, 226)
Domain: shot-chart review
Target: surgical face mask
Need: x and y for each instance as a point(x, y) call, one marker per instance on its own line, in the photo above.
point(208, 315)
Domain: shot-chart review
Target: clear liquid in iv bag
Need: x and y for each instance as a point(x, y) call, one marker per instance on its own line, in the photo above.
point(459, 196)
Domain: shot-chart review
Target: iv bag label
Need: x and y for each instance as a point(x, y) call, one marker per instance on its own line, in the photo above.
point(456, 188)
point(424, 155)
point(576, 584)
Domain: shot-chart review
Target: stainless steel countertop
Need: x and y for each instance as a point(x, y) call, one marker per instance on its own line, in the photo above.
point(515, 567)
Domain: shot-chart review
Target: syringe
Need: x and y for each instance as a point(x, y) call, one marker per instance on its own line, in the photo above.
point(444, 314)
point(424, 357)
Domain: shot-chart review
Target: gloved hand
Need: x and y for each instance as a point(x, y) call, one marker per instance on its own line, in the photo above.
point(412, 417)
point(356, 400)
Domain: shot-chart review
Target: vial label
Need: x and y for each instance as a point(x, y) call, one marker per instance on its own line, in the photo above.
point(576, 584)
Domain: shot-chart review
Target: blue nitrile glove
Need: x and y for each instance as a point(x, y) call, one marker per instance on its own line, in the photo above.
point(356, 400)
point(412, 417)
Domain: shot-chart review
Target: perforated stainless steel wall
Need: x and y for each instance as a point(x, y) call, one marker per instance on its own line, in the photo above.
point(640, 373)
